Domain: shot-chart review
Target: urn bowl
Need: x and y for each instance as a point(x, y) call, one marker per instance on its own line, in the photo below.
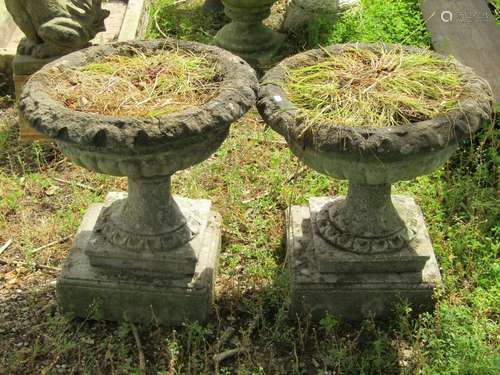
point(369, 155)
point(141, 147)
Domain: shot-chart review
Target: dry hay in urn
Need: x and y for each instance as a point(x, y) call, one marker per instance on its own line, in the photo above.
point(138, 86)
point(377, 88)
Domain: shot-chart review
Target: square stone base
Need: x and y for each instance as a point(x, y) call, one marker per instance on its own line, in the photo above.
point(108, 293)
point(353, 287)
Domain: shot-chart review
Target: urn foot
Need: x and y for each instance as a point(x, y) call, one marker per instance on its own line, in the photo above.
point(326, 278)
point(167, 288)
point(256, 44)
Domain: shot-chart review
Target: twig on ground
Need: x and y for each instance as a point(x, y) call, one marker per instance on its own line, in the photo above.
point(5, 246)
point(218, 358)
point(36, 265)
point(142, 360)
point(61, 240)
point(57, 164)
point(224, 337)
point(267, 141)
point(76, 184)
point(296, 174)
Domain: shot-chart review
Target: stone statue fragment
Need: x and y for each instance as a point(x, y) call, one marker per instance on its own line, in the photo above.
point(56, 27)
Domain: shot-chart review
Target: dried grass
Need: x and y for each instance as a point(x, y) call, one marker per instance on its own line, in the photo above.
point(376, 88)
point(137, 86)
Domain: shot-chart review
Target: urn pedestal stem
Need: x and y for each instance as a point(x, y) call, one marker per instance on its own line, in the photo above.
point(150, 207)
point(246, 36)
point(149, 219)
point(366, 221)
point(368, 210)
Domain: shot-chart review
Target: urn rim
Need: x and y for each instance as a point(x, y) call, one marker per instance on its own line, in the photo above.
point(389, 143)
point(112, 134)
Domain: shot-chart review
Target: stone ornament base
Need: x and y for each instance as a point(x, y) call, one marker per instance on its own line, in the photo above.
point(352, 286)
point(333, 259)
point(161, 294)
point(181, 260)
point(259, 54)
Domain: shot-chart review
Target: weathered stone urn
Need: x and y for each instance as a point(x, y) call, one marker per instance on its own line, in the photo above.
point(357, 255)
point(146, 255)
point(246, 36)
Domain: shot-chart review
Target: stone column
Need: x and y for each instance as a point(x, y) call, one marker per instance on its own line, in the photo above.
point(151, 211)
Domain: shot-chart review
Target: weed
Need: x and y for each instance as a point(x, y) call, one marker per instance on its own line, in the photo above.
point(184, 20)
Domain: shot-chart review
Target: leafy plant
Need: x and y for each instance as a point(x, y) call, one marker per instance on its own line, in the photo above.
point(390, 21)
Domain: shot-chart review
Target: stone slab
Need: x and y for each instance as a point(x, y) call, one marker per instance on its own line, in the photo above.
point(468, 31)
point(410, 259)
point(100, 293)
point(352, 296)
point(135, 21)
point(113, 22)
point(179, 261)
point(27, 65)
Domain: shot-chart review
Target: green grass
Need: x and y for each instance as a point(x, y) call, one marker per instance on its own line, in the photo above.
point(186, 21)
point(390, 21)
point(251, 180)
point(495, 8)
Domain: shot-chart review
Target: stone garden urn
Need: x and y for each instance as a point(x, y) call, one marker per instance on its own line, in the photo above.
point(246, 36)
point(145, 255)
point(357, 255)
